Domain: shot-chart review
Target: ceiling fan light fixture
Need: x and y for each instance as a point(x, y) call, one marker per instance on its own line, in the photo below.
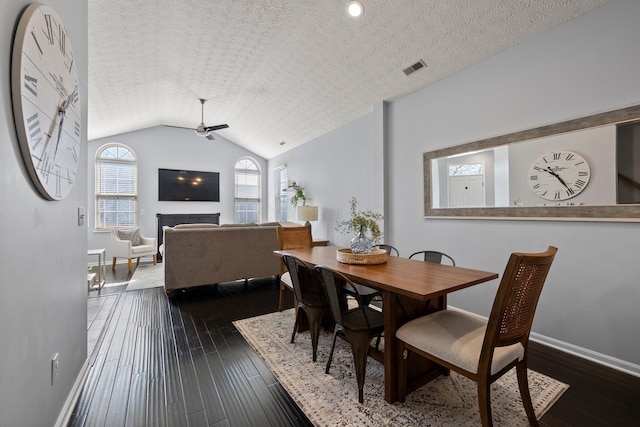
point(355, 9)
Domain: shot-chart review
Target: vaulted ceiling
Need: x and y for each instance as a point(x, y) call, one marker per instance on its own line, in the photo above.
point(287, 70)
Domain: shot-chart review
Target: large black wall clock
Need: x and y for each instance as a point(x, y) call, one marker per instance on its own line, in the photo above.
point(46, 105)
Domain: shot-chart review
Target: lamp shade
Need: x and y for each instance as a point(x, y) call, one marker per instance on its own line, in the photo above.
point(307, 213)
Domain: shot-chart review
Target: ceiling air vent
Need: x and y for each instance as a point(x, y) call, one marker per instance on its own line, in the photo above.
point(415, 67)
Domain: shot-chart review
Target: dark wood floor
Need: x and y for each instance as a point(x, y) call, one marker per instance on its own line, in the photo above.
point(182, 363)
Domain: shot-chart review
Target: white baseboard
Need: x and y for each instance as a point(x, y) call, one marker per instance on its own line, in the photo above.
point(602, 359)
point(74, 394)
point(593, 356)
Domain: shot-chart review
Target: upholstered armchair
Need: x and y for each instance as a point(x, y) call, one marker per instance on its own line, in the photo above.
point(129, 243)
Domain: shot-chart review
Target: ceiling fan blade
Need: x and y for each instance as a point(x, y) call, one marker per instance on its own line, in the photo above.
point(210, 137)
point(216, 127)
point(178, 127)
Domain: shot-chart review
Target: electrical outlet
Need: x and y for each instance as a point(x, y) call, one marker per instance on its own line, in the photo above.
point(54, 367)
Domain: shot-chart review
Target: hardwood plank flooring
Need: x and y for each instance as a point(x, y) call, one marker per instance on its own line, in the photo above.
point(182, 363)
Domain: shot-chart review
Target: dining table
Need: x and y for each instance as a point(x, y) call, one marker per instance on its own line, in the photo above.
point(410, 288)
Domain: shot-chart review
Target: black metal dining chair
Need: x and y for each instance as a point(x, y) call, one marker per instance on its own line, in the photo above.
point(433, 256)
point(358, 325)
point(311, 298)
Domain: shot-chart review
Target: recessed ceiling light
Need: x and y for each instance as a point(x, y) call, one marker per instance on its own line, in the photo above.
point(355, 9)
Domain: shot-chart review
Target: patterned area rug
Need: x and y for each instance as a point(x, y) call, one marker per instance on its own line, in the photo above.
point(147, 276)
point(332, 400)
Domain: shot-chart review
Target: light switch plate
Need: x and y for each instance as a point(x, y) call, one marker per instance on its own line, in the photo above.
point(81, 217)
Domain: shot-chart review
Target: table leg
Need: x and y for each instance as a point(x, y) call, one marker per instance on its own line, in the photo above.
point(397, 311)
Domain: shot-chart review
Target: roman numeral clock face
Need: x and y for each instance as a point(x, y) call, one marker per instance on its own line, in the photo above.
point(559, 175)
point(44, 85)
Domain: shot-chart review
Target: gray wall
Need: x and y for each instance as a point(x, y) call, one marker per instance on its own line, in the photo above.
point(172, 148)
point(43, 309)
point(332, 169)
point(586, 66)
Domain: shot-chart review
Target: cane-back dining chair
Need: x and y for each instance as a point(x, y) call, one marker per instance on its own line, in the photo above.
point(481, 350)
point(359, 325)
point(433, 256)
point(312, 300)
point(291, 238)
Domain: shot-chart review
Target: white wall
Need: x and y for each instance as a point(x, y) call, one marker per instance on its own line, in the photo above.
point(43, 309)
point(172, 148)
point(586, 66)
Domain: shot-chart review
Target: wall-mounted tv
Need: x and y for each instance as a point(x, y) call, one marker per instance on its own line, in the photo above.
point(188, 186)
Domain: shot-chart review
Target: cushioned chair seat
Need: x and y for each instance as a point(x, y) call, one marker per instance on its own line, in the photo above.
point(456, 338)
point(286, 278)
point(142, 249)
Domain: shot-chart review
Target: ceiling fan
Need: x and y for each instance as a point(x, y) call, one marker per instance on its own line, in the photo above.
point(205, 131)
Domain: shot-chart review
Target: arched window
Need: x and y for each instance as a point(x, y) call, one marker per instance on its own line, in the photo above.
point(247, 192)
point(116, 187)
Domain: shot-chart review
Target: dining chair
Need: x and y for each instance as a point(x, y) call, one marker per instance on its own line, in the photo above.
point(366, 293)
point(390, 250)
point(311, 298)
point(359, 325)
point(481, 350)
point(433, 256)
point(291, 238)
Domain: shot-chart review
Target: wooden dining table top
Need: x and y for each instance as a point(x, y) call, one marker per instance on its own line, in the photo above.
point(412, 278)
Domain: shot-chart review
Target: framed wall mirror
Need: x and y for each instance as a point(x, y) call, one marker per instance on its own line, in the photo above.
point(585, 169)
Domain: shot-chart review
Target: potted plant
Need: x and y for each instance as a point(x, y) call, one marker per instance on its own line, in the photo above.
point(365, 220)
point(298, 196)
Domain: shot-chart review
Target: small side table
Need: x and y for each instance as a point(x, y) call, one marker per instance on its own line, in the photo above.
point(99, 278)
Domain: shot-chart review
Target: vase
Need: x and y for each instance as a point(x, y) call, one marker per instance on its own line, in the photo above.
point(361, 244)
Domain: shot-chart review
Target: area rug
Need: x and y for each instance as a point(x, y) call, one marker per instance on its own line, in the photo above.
point(146, 276)
point(332, 399)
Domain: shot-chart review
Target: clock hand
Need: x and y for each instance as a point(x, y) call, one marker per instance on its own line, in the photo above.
point(62, 113)
point(557, 176)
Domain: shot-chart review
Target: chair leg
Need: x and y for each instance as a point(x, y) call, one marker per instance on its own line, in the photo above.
point(154, 259)
point(333, 347)
point(129, 264)
point(137, 261)
point(523, 384)
point(113, 263)
point(315, 319)
point(281, 300)
point(484, 400)
point(360, 350)
point(295, 326)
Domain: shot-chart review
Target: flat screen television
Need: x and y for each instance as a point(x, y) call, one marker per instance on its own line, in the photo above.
point(188, 186)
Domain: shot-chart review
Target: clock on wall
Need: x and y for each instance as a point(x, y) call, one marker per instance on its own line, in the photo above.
point(46, 105)
point(559, 175)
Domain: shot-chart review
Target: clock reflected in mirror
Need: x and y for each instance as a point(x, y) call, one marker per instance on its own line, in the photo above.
point(559, 175)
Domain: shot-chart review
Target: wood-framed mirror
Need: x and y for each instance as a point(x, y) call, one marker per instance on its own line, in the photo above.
point(585, 169)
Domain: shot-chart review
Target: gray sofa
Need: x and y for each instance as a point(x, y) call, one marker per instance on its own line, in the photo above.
point(206, 254)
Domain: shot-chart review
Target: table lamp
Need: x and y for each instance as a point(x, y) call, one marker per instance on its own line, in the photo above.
point(307, 213)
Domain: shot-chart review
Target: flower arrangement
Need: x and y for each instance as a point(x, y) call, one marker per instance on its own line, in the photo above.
point(365, 219)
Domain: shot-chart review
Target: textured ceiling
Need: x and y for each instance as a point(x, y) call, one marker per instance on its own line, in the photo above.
point(286, 70)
